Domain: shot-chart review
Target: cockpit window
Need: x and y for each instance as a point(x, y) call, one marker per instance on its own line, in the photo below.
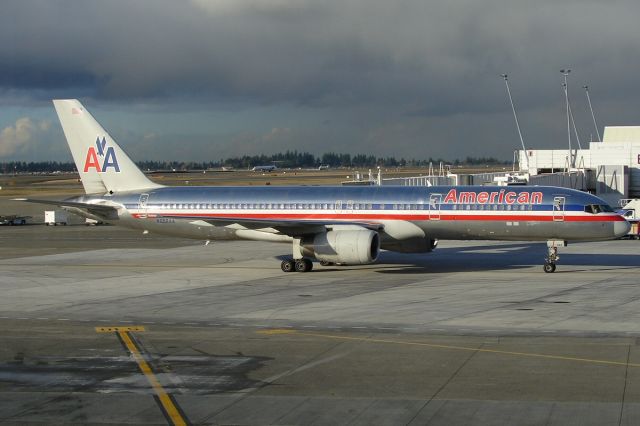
point(597, 208)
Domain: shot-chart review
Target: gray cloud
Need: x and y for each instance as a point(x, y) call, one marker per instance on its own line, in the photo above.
point(398, 72)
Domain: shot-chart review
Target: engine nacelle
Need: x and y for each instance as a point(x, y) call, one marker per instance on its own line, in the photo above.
point(352, 247)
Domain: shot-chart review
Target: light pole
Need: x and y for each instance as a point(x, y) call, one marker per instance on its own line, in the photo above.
point(565, 73)
point(515, 116)
point(586, 89)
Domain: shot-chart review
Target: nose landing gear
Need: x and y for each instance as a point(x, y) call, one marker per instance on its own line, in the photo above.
point(552, 255)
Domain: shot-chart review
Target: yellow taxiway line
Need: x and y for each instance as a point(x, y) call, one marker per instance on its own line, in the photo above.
point(171, 411)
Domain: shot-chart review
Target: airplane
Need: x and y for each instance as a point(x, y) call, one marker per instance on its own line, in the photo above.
point(334, 225)
point(265, 168)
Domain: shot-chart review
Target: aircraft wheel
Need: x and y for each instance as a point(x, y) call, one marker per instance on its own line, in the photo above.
point(287, 265)
point(549, 267)
point(326, 263)
point(303, 265)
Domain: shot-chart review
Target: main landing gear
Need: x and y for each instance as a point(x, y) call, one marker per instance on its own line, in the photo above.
point(298, 265)
point(552, 255)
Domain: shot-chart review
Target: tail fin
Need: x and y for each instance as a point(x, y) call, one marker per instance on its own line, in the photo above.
point(102, 164)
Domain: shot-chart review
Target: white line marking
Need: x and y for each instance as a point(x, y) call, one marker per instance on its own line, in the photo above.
point(44, 319)
point(63, 319)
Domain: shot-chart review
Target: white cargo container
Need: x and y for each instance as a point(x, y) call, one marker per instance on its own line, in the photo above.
point(55, 217)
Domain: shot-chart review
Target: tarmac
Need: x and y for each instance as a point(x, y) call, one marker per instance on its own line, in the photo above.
point(101, 325)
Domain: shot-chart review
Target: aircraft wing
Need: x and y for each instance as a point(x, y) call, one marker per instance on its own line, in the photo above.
point(291, 227)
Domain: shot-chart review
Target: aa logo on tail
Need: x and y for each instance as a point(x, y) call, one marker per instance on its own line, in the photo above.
point(100, 159)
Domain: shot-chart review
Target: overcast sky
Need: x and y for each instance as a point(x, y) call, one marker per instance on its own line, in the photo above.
point(203, 80)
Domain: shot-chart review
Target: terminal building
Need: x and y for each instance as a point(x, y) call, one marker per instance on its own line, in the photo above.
point(609, 169)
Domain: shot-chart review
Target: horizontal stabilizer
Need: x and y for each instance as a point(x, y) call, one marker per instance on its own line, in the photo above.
point(102, 210)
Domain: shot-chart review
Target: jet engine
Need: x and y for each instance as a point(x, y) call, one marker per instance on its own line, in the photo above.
point(352, 247)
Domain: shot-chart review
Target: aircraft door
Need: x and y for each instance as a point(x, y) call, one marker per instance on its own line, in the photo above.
point(434, 206)
point(142, 205)
point(558, 209)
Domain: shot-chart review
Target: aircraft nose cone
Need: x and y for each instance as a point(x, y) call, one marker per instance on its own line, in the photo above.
point(621, 228)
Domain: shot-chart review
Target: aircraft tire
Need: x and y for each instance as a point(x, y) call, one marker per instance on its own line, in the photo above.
point(287, 265)
point(549, 267)
point(303, 265)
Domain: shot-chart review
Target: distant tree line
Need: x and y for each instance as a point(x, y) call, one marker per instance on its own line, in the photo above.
point(289, 159)
point(36, 167)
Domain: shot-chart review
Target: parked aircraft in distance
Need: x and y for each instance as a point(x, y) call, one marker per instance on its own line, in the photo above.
point(270, 168)
point(335, 225)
